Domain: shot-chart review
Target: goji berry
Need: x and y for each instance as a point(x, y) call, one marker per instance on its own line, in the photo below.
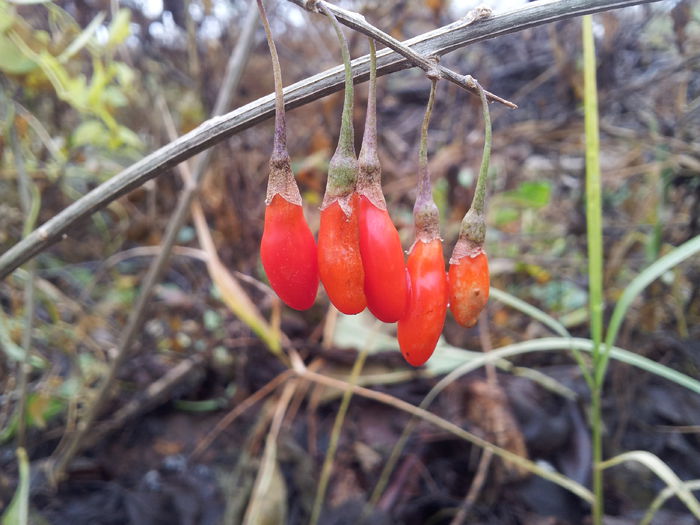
point(288, 253)
point(420, 329)
point(382, 258)
point(287, 248)
point(469, 287)
point(385, 286)
point(339, 259)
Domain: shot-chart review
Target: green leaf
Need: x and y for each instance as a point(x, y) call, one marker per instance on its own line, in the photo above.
point(128, 137)
point(82, 39)
point(17, 512)
point(505, 215)
point(90, 132)
point(12, 60)
point(532, 194)
point(7, 16)
point(119, 28)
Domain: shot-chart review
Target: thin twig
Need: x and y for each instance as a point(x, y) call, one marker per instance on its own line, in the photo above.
point(485, 460)
point(234, 72)
point(27, 204)
point(237, 411)
point(269, 459)
point(359, 24)
point(338, 427)
point(433, 43)
point(387, 399)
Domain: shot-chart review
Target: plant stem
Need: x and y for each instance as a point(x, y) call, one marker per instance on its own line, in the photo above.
point(343, 166)
point(279, 148)
point(29, 201)
point(480, 191)
point(425, 212)
point(369, 177)
point(595, 255)
point(472, 231)
point(424, 186)
point(346, 142)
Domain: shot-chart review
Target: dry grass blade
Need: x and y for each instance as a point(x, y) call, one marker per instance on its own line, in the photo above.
point(233, 293)
point(387, 399)
point(269, 483)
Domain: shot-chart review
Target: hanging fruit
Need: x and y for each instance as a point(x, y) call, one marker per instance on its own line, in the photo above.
point(339, 260)
point(385, 283)
point(287, 248)
point(420, 328)
point(469, 270)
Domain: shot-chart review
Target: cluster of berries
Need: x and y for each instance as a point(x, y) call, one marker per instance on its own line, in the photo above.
point(359, 258)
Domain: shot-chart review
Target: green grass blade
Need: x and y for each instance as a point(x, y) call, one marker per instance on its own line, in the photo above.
point(529, 310)
point(662, 470)
point(663, 496)
point(17, 512)
point(644, 279)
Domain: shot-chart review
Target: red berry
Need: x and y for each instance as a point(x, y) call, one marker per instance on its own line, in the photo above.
point(469, 287)
point(385, 287)
point(339, 259)
point(420, 329)
point(288, 253)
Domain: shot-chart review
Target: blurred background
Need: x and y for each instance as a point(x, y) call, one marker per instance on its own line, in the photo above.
point(88, 88)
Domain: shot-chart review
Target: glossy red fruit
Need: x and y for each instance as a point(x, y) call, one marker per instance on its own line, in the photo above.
point(386, 288)
point(288, 253)
point(339, 259)
point(420, 329)
point(469, 287)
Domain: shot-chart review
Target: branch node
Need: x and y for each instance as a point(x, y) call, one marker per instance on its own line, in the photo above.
point(470, 82)
point(434, 72)
point(479, 13)
point(311, 5)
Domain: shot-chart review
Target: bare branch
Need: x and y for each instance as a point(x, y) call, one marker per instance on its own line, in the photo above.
point(214, 130)
point(358, 23)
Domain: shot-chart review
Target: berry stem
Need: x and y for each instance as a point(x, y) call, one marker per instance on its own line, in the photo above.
point(480, 192)
point(369, 181)
point(279, 148)
point(472, 232)
point(342, 169)
point(346, 142)
point(281, 179)
point(425, 211)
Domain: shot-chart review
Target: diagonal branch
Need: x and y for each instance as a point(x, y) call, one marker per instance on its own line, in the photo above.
point(214, 130)
point(359, 24)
